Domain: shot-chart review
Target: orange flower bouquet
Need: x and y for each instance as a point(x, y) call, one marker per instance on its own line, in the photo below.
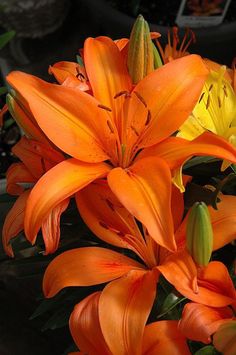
point(124, 133)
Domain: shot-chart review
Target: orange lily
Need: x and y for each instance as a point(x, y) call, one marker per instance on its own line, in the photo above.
point(70, 74)
point(114, 126)
point(173, 50)
point(36, 158)
point(160, 337)
point(132, 288)
point(199, 322)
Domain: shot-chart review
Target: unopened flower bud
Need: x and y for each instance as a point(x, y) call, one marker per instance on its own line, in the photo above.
point(199, 234)
point(224, 339)
point(140, 54)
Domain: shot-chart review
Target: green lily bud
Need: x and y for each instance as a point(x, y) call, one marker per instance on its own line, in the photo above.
point(200, 234)
point(140, 54)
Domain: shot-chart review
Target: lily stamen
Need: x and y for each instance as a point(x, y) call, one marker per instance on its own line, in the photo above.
point(140, 98)
point(105, 107)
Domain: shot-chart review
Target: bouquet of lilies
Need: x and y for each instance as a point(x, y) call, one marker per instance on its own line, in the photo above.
point(116, 133)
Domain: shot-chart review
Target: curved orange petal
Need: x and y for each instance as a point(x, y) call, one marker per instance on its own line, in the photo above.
point(164, 338)
point(56, 185)
point(223, 221)
point(176, 150)
point(71, 126)
point(145, 190)
point(199, 322)
point(213, 286)
point(51, 227)
point(70, 74)
point(129, 300)
point(18, 174)
point(170, 93)
point(37, 157)
point(106, 70)
point(14, 222)
point(85, 267)
point(85, 327)
point(185, 275)
point(62, 69)
point(107, 217)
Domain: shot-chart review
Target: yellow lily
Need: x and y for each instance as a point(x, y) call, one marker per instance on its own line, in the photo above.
point(214, 112)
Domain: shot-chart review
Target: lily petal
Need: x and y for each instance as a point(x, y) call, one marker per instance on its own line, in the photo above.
point(14, 222)
point(145, 190)
point(106, 70)
point(177, 150)
point(223, 221)
point(185, 275)
point(85, 327)
point(18, 174)
point(37, 157)
point(85, 267)
point(165, 91)
point(56, 185)
point(51, 227)
point(199, 322)
point(164, 338)
point(129, 300)
point(107, 217)
point(56, 110)
point(213, 286)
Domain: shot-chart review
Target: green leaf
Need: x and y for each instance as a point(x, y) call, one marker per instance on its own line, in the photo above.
point(58, 320)
point(206, 350)
point(8, 123)
point(170, 303)
point(3, 90)
point(6, 37)
point(80, 61)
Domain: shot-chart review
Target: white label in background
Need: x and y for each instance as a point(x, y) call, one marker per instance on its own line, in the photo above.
point(201, 13)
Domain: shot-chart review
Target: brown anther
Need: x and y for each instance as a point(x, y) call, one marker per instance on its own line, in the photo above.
point(208, 101)
point(105, 108)
point(103, 225)
point(140, 98)
point(201, 97)
point(210, 88)
point(148, 119)
point(126, 93)
point(110, 204)
point(135, 131)
point(219, 102)
point(225, 91)
point(110, 126)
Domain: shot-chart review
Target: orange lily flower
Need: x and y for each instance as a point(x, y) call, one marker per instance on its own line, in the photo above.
point(199, 322)
point(115, 125)
point(131, 290)
point(173, 50)
point(36, 158)
point(70, 74)
point(161, 337)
